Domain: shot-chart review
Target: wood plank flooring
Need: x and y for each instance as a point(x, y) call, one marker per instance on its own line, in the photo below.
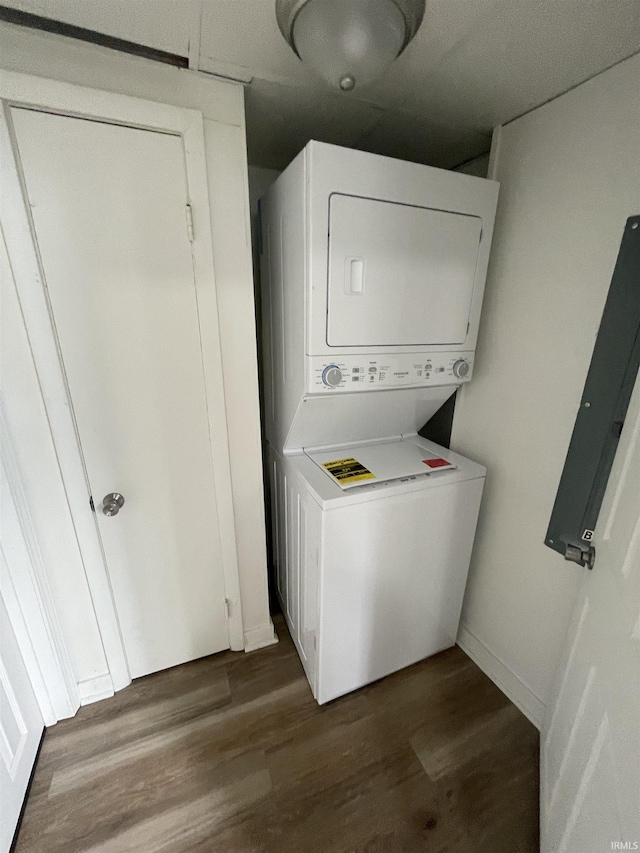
point(232, 754)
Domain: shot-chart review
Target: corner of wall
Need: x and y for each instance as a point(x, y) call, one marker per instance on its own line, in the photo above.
point(95, 689)
point(260, 637)
point(494, 152)
point(511, 685)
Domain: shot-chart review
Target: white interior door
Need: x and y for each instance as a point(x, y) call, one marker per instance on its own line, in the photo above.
point(21, 726)
point(109, 207)
point(591, 735)
point(399, 275)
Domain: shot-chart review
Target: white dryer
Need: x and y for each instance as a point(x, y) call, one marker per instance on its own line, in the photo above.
point(372, 279)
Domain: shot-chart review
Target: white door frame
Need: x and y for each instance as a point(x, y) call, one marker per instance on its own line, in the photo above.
point(67, 99)
point(28, 597)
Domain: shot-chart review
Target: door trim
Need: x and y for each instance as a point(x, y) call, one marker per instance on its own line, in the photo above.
point(53, 96)
point(28, 598)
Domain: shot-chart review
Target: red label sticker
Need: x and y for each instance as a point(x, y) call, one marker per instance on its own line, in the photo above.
point(435, 463)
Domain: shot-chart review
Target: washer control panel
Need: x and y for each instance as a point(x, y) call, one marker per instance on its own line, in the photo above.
point(367, 373)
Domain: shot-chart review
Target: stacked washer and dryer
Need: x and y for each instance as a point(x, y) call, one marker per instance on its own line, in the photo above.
point(372, 274)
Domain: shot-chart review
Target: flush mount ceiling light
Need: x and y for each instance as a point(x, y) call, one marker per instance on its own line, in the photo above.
point(349, 42)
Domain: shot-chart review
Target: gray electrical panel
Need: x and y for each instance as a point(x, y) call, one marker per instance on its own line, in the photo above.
point(603, 407)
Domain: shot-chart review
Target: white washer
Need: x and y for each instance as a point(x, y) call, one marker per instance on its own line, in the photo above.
point(372, 276)
point(371, 577)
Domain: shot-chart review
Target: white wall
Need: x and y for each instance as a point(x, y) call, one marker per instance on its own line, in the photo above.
point(259, 182)
point(222, 105)
point(570, 175)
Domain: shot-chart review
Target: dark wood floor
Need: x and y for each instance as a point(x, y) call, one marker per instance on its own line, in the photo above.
point(232, 754)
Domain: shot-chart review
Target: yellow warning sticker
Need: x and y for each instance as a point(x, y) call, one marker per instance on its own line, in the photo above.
point(348, 470)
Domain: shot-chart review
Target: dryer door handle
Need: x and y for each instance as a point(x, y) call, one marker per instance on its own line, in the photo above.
point(354, 276)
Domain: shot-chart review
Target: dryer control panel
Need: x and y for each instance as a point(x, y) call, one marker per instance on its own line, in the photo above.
point(351, 373)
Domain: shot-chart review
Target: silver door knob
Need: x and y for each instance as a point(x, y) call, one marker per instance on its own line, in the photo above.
point(112, 503)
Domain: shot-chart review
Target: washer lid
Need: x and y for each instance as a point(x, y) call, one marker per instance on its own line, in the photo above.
point(365, 464)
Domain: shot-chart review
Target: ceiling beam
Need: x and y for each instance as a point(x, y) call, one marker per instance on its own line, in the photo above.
point(38, 22)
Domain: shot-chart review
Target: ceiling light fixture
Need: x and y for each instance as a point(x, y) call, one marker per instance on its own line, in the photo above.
point(349, 42)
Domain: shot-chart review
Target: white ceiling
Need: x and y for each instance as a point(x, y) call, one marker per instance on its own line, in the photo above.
point(472, 65)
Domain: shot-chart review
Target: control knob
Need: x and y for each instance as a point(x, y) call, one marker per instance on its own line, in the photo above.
point(332, 375)
point(461, 368)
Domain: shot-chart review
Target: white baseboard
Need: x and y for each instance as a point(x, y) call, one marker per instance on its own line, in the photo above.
point(95, 689)
point(258, 638)
point(511, 685)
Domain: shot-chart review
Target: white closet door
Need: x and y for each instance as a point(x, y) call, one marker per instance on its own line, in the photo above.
point(21, 724)
point(590, 764)
point(109, 206)
point(399, 275)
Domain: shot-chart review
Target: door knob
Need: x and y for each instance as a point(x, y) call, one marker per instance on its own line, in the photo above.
point(112, 503)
